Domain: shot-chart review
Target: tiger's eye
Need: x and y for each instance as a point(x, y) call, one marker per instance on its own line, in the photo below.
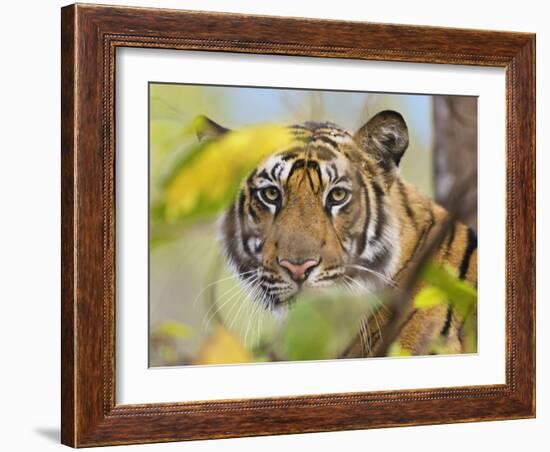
point(271, 194)
point(338, 195)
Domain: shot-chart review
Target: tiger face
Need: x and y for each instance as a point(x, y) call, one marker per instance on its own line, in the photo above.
point(317, 214)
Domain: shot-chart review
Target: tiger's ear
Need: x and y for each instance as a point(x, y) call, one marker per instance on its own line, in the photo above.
point(206, 129)
point(386, 137)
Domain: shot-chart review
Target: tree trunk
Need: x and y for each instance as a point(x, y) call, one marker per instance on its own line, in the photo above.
point(455, 152)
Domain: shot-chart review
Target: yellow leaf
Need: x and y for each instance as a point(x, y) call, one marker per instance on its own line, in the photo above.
point(209, 179)
point(222, 348)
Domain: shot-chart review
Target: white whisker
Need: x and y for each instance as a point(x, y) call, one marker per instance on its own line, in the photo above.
point(374, 272)
point(235, 276)
point(243, 301)
point(252, 313)
point(364, 331)
point(231, 293)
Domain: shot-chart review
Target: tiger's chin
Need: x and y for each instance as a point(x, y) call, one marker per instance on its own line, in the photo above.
point(280, 306)
point(280, 310)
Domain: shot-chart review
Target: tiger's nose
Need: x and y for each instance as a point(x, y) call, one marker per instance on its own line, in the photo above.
point(299, 271)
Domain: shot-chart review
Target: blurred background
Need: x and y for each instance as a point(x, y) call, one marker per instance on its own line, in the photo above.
point(186, 307)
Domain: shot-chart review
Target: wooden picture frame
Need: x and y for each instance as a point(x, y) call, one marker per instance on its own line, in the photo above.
point(90, 36)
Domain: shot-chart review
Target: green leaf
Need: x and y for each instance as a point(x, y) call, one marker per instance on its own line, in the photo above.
point(396, 350)
point(429, 297)
point(174, 330)
point(320, 327)
point(459, 292)
point(308, 335)
point(470, 334)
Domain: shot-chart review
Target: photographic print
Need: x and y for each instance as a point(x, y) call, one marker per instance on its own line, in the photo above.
point(290, 224)
point(269, 225)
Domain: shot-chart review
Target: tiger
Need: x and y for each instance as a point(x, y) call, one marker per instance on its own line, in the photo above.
point(333, 206)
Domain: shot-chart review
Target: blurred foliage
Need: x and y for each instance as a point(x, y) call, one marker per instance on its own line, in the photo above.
point(222, 347)
point(397, 351)
point(443, 287)
point(320, 326)
point(205, 181)
point(164, 340)
point(446, 287)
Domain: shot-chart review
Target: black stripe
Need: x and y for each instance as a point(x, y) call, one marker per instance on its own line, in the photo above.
point(405, 201)
point(363, 233)
point(380, 212)
point(312, 164)
point(253, 214)
point(295, 166)
point(332, 267)
point(343, 178)
point(281, 169)
point(243, 265)
point(270, 280)
point(328, 278)
point(377, 261)
point(289, 156)
point(242, 200)
point(274, 174)
point(330, 174)
point(470, 247)
point(327, 140)
point(447, 326)
point(335, 169)
point(263, 174)
point(244, 237)
point(450, 240)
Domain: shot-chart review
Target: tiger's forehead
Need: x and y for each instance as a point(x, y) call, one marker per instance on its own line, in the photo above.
point(328, 132)
point(323, 145)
